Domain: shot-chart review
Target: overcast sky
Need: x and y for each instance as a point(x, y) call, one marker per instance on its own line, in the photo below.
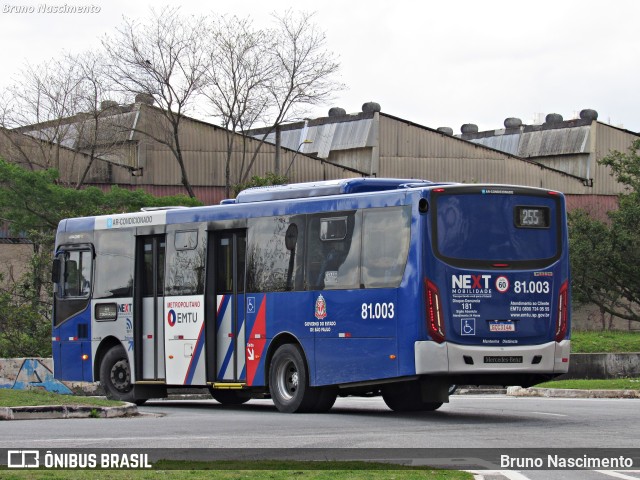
point(436, 63)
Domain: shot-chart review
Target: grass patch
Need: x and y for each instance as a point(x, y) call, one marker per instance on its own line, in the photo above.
point(277, 470)
point(606, 341)
point(33, 398)
point(606, 384)
point(306, 466)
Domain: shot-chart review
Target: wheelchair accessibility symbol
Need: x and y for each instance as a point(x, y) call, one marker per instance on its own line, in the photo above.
point(468, 326)
point(251, 304)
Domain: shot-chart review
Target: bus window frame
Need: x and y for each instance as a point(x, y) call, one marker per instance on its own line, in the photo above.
point(63, 250)
point(534, 264)
point(328, 243)
point(374, 282)
point(68, 306)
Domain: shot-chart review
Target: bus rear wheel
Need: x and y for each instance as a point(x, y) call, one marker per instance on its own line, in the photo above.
point(407, 397)
point(326, 397)
point(115, 375)
point(289, 382)
point(229, 397)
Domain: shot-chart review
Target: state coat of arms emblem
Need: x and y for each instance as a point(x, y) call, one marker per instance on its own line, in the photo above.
point(321, 308)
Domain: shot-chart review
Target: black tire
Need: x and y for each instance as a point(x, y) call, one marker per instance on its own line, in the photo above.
point(407, 397)
point(289, 381)
point(452, 389)
point(326, 398)
point(115, 376)
point(230, 397)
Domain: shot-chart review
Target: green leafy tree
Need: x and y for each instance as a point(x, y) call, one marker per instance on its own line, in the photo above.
point(25, 329)
point(33, 200)
point(605, 256)
point(32, 203)
point(269, 178)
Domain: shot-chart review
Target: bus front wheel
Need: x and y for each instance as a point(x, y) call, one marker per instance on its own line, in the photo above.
point(289, 381)
point(115, 375)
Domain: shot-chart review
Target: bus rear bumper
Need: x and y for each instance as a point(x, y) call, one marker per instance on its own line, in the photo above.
point(448, 358)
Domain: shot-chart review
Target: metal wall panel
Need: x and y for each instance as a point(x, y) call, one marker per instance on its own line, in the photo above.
point(204, 149)
point(409, 151)
point(609, 139)
point(479, 171)
point(596, 205)
point(577, 165)
point(358, 159)
point(404, 139)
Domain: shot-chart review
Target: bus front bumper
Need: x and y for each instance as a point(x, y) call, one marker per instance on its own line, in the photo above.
point(449, 358)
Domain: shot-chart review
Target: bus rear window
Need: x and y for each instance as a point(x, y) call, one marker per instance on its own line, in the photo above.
point(502, 228)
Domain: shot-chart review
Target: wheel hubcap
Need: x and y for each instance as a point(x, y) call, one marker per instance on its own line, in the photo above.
point(121, 376)
point(288, 378)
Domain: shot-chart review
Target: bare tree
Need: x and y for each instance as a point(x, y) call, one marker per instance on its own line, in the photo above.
point(38, 105)
point(99, 131)
point(305, 72)
point(164, 58)
point(237, 79)
point(55, 111)
point(12, 149)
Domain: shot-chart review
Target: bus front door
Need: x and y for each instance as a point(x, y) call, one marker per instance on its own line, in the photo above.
point(149, 301)
point(229, 250)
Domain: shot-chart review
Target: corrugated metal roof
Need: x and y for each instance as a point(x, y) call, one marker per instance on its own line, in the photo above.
point(536, 142)
point(344, 135)
point(561, 141)
point(322, 138)
point(505, 143)
point(77, 132)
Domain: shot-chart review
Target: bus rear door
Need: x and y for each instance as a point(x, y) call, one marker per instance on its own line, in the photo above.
point(228, 249)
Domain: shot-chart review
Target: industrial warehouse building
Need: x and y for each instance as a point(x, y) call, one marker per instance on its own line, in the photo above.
point(560, 155)
point(130, 146)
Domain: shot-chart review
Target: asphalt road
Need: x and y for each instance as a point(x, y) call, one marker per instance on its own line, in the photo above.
point(469, 421)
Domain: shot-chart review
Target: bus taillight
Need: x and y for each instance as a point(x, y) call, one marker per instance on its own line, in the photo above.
point(435, 325)
point(563, 312)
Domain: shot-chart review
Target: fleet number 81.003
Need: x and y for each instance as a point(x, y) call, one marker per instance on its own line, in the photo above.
point(532, 287)
point(378, 310)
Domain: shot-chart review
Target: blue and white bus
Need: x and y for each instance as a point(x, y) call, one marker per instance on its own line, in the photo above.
point(304, 292)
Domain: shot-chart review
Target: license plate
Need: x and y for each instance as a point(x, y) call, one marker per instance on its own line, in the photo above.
point(502, 359)
point(502, 327)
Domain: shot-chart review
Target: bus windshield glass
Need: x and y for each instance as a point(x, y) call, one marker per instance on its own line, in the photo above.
point(509, 228)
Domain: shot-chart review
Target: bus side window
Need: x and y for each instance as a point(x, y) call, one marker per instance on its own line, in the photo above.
point(333, 251)
point(114, 263)
point(185, 263)
point(275, 254)
point(386, 235)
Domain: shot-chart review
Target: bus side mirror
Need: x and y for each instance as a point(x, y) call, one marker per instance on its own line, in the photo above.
point(55, 270)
